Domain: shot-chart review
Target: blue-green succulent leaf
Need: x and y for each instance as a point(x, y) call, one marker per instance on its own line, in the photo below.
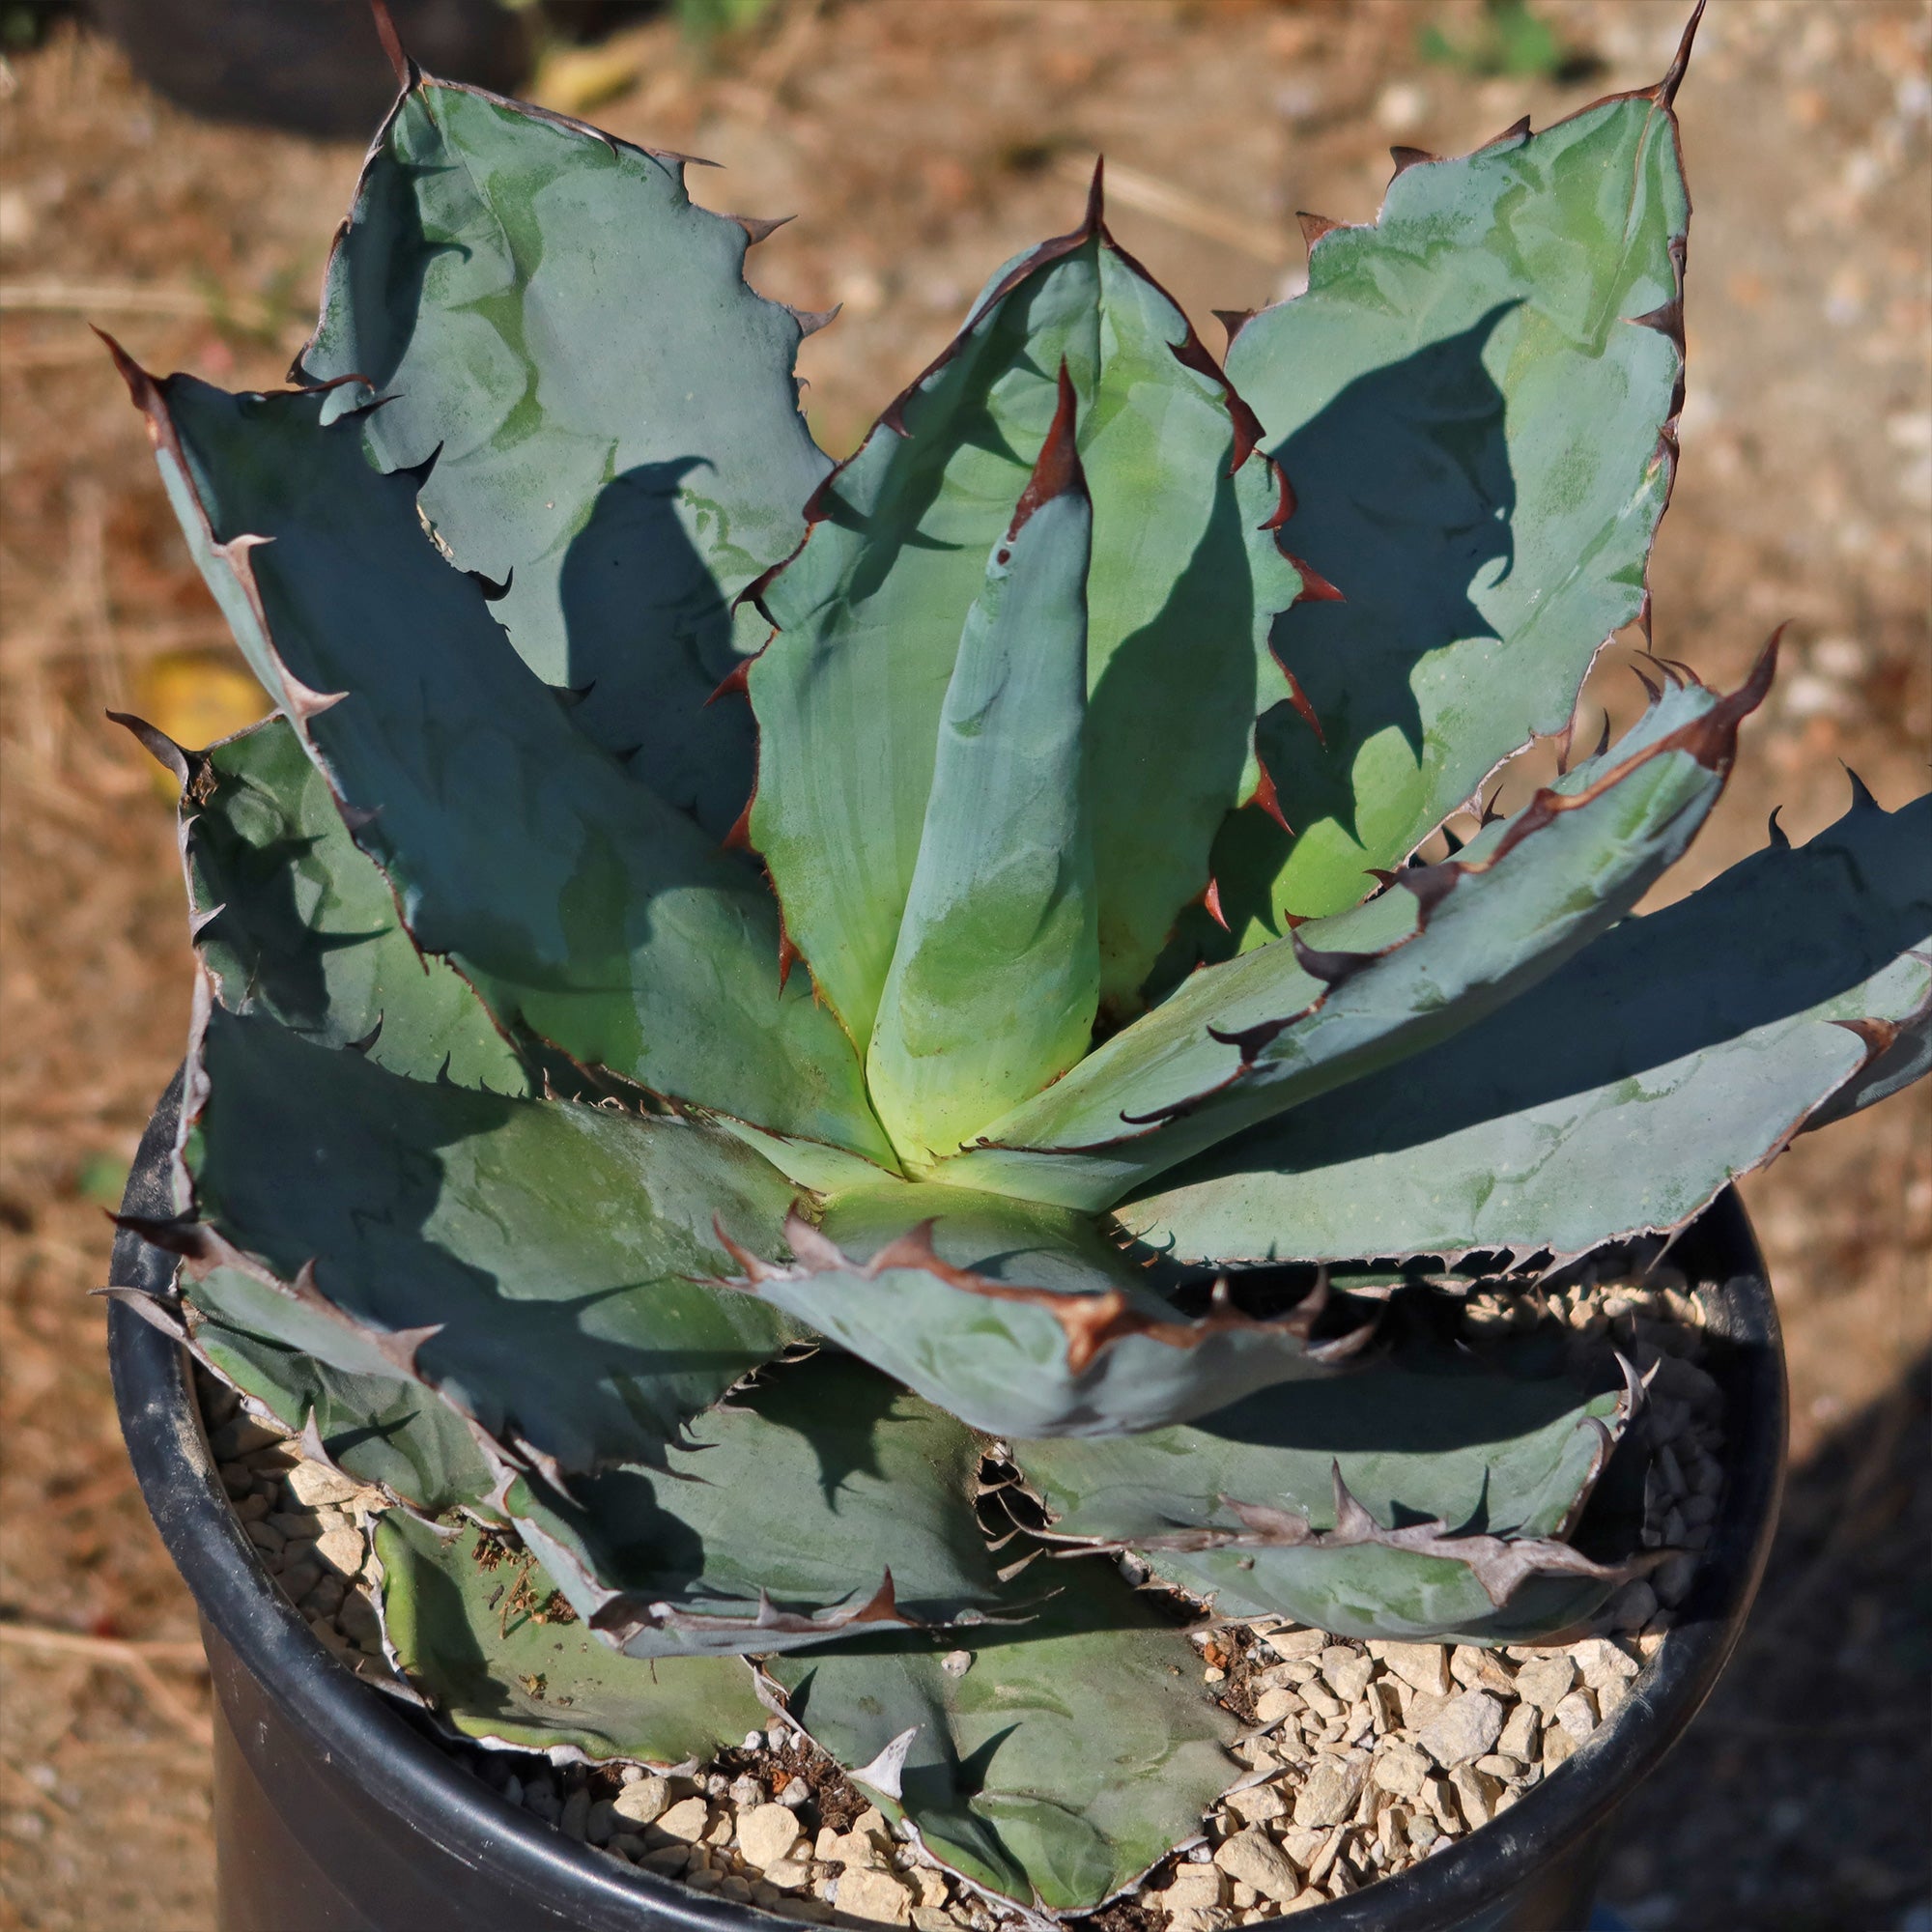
point(995, 979)
point(582, 906)
point(483, 1633)
point(1020, 1319)
point(616, 414)
point(1476, 403)
point(271, 1341)
point(822, 1501)
point(293, 922)
point(1681, 1050)
point(1241, 1042)
point(1056, 1767)
point(533, 1261)
point(849, 692)
point(1418, 1498)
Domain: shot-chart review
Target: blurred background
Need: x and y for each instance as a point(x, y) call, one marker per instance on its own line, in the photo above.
point(173, 169)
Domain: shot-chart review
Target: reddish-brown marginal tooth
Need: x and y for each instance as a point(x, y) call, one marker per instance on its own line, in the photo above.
point(1210, 901)
point(1265, 796)
point(736, 682)
point(1406, 158)
point(1315, 587)
point(739, 838)
point(1314, 226)
point(1058, 468)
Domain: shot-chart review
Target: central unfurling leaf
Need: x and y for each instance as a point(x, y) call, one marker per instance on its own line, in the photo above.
point(996, 975)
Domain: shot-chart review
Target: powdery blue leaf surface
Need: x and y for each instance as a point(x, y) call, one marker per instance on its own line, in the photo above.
point(1476, 403)
point(582, 906)
point(615, 411)
point(1342, 997)
point(533, 1261)
point(1680, 1051)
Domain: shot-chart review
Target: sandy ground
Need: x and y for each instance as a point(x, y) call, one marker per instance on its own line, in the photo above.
point(924, 142)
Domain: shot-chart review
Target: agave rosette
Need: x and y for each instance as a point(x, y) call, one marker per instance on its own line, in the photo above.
point(950, 908)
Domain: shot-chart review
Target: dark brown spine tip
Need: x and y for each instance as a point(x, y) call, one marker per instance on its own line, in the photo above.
point(739, 838)
point(1862, 794)
point(1058, 470)
point(1431, 885)
point(811, 321)
point(1210, 903)
point(1233, 320)
point(1298, 699)
point(1516, 131)
point(1285, 504)
point(1779, 839)
point(1266, 796)
point(788, 957)
point(1314, 226)
point(736, 682)
point(400, 64)
point(1878, 1036)
point(758, 227)
point(141, 387)
point(1665, 94)
point(157, 745)
point(1095, 217)
point(1315, 587)
point(1330, 968)
point(1406, 158)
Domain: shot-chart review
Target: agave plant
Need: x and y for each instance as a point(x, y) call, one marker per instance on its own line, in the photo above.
point(745, 1003)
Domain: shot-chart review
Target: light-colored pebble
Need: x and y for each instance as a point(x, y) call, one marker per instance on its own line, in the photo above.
point(1464, 1728)
point(1476, 1794)
point(1258, 1804)
point(1331, 1790)
point(788, 1874)
point(767, 1834)
point(643, 1800)
point(873, 1895)
point(1422, 1666)
point(341, 1551)
point(1400, 1768)
point(1578, 1715)
point(1255, 1859)
point(689, 1819)
point(1347, 1672)
point(1272, 1706)
point(1545, 1681)
point(1196, 1888)
point(314, 1483)
point(574, 1820)
point(1521, 1732)
point(1296, 1643)
point(1600, 1662)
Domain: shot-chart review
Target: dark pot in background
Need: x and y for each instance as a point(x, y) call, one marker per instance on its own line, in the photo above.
point(335, 1810)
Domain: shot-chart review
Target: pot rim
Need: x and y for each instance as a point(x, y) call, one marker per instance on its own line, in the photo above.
point(410, 1776)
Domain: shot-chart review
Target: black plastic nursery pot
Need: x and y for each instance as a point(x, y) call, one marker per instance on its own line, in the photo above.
point(336, 1809)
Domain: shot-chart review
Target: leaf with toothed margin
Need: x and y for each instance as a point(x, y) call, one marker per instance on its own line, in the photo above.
point(1343, 996)
point(1423, 1497)
point(370, 1423)
point(1068, 1757)
point(1681, 1050)
point(549, 1249)
point(822, 1501)
point(995, 979)
point(293, 923)
point(474, 1625)
point(849, 692)
point(582, 906)
point(616, 410)
point(1020, 1319)
point(1476, 403)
